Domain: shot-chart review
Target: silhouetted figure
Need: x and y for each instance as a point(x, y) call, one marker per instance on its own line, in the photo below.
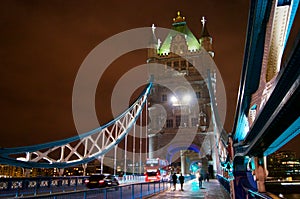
point(207, 176)
point(174, 178)
point(181, 180)
point(200, 178)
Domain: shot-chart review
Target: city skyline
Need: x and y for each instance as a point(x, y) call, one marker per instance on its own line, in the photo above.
point(44, 44)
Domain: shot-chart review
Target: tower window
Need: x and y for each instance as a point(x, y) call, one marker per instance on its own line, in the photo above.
point(164, 98)
point(176, 64)
point(198, 94)
point(183, 64)
point(169, 123)
point(178, 120)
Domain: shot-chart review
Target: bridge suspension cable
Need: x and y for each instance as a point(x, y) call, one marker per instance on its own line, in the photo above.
point(79, 149)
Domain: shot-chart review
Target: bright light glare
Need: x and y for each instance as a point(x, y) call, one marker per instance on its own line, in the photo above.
point(186, 98)
point(22, 159)
point(174, 99)
point(290, 183)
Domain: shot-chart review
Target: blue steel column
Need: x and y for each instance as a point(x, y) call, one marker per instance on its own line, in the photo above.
point(254, 50)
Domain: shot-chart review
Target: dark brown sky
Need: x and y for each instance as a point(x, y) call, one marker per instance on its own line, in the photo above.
point(43, 44)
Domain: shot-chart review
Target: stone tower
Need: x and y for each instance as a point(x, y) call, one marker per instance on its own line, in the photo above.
point(179, 108)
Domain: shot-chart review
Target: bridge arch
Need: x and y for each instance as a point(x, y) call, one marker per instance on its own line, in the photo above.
point(175, 148)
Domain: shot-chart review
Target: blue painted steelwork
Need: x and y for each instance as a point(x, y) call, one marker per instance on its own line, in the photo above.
point(5, 153)
point(250, 194)
point(293, 6)
point(291, 132)
point(252, 65)
point(278, 122)
point(254, 48)
point(224, 182)
point(253, 60)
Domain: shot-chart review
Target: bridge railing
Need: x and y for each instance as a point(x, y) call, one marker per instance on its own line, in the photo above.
point(131, 178)
point(255, 194)
point(136, 190)
point(224, 182)
point(35, 185)
point(72, 190)
point(250, 193)
point(17, 187)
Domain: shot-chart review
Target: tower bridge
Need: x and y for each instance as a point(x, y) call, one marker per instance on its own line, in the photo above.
point(180, 104)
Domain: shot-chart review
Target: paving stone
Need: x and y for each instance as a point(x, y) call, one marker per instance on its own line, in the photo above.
point(191, 190)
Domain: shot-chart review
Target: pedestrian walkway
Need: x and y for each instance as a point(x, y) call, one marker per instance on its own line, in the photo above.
point(191, 190)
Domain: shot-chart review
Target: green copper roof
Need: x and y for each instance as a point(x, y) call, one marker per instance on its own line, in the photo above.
point(181, 27)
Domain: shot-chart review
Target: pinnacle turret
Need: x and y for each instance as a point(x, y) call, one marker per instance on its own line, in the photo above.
point(205, 38)
point(204, 32)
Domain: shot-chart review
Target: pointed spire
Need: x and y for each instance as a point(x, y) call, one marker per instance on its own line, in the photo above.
point(204, 32)
point(153, 44)
point(179, 18)
point(153, 38)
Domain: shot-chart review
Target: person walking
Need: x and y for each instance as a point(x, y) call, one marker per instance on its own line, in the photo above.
point(200, 178)
point(207, 176)
point(181, 180)
point(174, 178)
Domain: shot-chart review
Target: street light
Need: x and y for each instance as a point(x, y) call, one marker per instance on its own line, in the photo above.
point(181, 100)
point(174, 100)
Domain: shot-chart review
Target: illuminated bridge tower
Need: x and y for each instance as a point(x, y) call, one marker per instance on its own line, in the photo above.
point(174, 115)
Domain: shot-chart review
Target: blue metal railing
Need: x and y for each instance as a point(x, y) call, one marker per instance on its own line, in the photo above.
point(224, 182)
point(137, 190)
point(255, 194)
point(74, 187)
point(250, 193)
point(38, 185)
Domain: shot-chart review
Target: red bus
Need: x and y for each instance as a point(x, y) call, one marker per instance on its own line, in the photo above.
point(156, 170)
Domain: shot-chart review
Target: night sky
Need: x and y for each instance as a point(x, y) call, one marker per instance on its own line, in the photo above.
point(43, 44)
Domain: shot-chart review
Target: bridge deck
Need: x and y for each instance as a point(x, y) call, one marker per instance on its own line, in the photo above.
point(211, 190)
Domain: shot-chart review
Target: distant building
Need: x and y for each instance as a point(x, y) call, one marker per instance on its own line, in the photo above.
point(283, 164)
point(13, 171)
point(10, 171)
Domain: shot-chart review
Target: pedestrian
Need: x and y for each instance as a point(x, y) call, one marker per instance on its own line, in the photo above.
point(207, 176)
point(181, 180)
point(174, 178)
point(200, 178)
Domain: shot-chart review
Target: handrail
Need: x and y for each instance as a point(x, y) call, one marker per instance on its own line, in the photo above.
point(256, 194)
point(74, 186)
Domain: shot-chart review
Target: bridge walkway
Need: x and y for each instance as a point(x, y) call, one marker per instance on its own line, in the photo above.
point(210, 190)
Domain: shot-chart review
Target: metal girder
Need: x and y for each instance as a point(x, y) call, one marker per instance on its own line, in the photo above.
point(78, 149)
point(279, 121)
point(254, 49)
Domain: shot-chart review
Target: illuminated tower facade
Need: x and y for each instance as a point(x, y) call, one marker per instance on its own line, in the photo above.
point(179, 108)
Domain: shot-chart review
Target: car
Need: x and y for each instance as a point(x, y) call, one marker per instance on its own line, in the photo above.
point(111, 180)
point(101, 180)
